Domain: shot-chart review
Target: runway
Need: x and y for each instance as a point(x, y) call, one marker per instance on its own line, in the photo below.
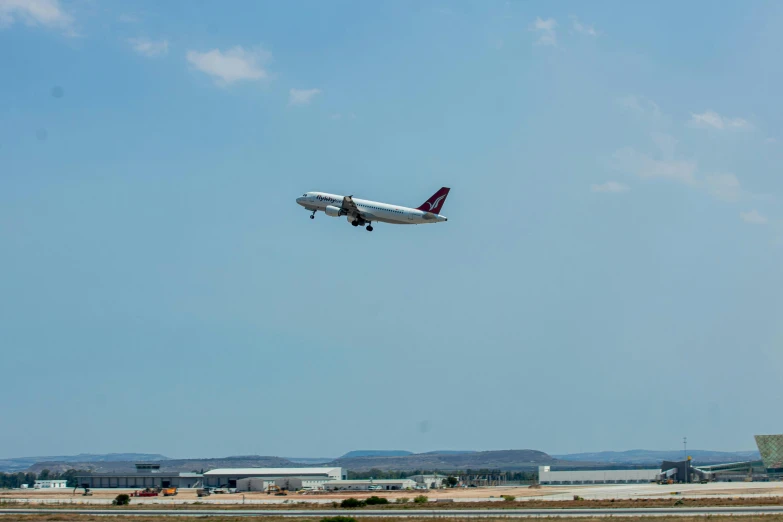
point(408, 513)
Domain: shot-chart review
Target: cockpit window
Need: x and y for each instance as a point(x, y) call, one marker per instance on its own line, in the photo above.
point(305, 195)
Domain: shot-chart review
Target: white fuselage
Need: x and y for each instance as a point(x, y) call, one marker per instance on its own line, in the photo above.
point(370, 210)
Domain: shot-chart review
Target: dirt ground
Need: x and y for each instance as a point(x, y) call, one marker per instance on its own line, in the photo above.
point(641, 495)
point(190, 495)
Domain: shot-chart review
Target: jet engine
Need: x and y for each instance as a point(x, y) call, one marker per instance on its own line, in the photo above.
point(333, 211)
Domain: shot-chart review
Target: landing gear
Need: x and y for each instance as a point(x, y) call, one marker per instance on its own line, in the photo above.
point(312, 216)
point(369, 228)
point(355, 222)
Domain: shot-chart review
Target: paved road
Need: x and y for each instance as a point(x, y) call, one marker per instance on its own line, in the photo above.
point(463, 513)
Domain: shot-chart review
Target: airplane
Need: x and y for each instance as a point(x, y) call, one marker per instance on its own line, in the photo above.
point(363, 212)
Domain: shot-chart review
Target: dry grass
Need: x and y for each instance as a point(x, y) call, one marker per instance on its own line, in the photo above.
point(121, 518)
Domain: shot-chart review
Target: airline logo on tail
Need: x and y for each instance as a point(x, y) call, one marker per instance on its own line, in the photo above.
point(435, 202)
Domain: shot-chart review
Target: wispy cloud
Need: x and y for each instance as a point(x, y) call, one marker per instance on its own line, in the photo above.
point(610, 186)
point(753, 217)
point(302, 96)
point(150, 48)
point(640, 105)
point(585, 29)
point(665, 165)
point(665, 162)
point(231, 66)
point(770, 140)
point(646, 167)
point(46, 13)
point(725, 187)
point(546, 31)
point(716, 121)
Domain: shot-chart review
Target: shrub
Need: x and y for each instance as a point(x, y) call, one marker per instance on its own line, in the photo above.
point(421, 499)
point(121, 500)
point(403, 500)
point(351, 503)
point(577, 497)
point(375, 501)
point(338, 519)
point(509, 498)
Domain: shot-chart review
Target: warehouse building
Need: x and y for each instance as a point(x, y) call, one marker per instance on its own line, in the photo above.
point(149, 476)
point(620, 476)
point(297, 483)
point(140, 480)
point(287, 483)
point(429, 481)
point(50, 484)
point(366, 485)
point(254, 484)
point(228, 477)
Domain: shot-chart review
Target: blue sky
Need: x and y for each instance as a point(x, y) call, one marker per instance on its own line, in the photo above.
point(609, 277)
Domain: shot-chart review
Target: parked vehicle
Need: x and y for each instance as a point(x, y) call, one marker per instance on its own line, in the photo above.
point(147, 492)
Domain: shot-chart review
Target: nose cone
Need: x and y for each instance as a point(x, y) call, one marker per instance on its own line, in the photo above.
point(301, 200)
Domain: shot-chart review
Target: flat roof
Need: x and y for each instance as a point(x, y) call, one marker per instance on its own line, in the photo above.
point(133, 474)
point(273, 471)
point(370, 481)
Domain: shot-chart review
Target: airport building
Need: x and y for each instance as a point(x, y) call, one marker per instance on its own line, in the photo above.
point(228, 477)
point(140, 481)
point(50, 484)
point(771, 450)
point(149, 475)
point(620, 476)
point(770, 467)
point(254, 484)
point(429, 481)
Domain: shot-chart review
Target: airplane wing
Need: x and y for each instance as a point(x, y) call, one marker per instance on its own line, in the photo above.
point(350, 207)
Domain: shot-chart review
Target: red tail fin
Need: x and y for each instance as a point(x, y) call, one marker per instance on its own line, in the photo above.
point(435, 203)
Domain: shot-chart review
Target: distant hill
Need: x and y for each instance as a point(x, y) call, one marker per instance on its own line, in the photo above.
point(506, 460)
point(639, 456)
point(23, 463)
point(175, 465)
point(310, 461)
point(376, 453)
point(366, 460)
point(448, 452)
